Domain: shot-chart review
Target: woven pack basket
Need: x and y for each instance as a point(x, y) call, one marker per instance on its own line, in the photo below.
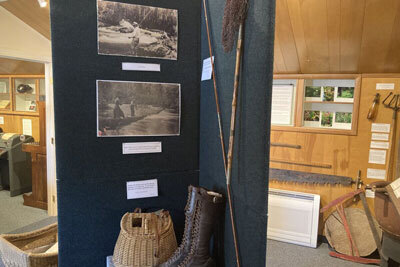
point(31, 249)
point(145, 239)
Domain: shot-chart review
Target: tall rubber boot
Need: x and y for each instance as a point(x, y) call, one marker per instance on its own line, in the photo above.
point(202, 212)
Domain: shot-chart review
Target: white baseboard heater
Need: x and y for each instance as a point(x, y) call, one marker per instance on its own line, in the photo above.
point(293, 217)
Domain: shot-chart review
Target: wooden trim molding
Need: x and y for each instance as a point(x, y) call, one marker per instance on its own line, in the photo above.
point(381, 75)
point(316, 76)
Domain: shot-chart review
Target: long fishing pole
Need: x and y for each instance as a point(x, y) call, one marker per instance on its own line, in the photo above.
point(222, 137)
point(233, 123)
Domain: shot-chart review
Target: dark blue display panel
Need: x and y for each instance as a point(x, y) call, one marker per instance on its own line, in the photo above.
point(249, 176)
point(92, 172)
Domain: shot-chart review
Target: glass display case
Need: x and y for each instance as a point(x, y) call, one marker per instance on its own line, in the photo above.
point(316, 103)
point(328, 104)
point(25, 94)
point(5, 96)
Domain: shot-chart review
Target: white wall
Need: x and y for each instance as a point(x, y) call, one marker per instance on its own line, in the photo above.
point(20, 41)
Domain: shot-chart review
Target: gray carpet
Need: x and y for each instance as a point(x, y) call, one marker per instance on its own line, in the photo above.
point(280, 254)
point(16, 218)
point(14, 215)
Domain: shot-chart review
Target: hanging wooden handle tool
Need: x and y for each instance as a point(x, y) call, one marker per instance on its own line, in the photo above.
point(374, 107)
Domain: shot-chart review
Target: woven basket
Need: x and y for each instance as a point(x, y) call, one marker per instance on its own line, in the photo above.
point(29, 249)
point(146, 239)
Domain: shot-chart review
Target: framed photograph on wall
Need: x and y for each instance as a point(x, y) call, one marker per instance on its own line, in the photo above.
point(137, 30)
point(127, 108)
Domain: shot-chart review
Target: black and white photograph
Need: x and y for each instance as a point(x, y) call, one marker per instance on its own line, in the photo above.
point(137, 30)
point(126, 108)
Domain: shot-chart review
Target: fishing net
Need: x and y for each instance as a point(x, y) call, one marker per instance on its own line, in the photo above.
point(234, 13)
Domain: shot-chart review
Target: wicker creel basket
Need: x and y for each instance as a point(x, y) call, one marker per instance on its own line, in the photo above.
point(31, 249)
point(145, 239)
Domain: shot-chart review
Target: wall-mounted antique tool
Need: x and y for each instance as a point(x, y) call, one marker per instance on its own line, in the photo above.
point(373, 110)
point(394, 104)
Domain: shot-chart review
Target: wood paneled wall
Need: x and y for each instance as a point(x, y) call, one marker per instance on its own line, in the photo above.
point(337, 36)
point(347, 154)
point(13, 124)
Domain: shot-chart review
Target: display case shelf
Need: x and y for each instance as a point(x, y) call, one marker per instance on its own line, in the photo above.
point(321, 104)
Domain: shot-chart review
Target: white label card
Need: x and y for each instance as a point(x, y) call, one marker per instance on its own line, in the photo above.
point(141, 147)
point(207, 69)
point(142, 189)
point(376, 174)
point(1, 120)
point(369, 193)
point(380, 127)
point(377, 156)
point(141, 66)
point(385, 86)
point(380, 137)
point(27, 127)
point(381, 145)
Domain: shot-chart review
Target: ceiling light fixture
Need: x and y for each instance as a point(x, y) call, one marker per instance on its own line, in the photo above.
point(42, 3)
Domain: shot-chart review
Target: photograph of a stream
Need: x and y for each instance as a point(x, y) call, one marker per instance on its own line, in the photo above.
point(137, 30)
point(137, 109)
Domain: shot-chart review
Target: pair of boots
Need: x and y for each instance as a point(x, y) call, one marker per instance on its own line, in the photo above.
point(202, 211)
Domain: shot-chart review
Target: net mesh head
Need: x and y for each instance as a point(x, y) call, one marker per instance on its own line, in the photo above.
point(234, 14)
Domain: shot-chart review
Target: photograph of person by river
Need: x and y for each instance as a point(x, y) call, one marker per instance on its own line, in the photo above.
point(138, 108)
point(137, 30)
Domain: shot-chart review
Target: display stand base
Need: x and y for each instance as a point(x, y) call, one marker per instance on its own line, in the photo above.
point(109, 261)
point(30, 200)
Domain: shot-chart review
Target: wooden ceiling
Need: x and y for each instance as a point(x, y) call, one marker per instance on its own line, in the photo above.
point(31, 13)
point(12, 66)
point(337, 36)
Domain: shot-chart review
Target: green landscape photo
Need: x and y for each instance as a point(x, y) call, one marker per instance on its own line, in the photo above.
point(343, 117)
point(313, 91)
point(327, 119)
point(311, 115)
point(329, 93)
point(345, 92)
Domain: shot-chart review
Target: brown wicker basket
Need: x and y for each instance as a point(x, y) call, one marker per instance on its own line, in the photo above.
point(30, 249)
point(145, 239)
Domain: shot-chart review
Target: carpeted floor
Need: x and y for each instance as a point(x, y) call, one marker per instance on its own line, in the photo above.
point(17, 218)
point(280, 254)
point(14, 215)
